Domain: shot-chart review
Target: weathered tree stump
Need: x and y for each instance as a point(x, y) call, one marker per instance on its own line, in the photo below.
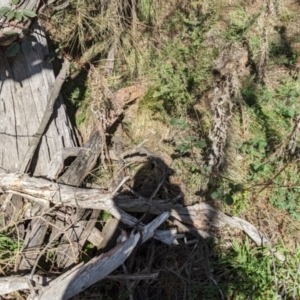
point(26, 84)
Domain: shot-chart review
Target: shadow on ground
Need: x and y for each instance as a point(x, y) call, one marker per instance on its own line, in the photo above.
point(195, 268)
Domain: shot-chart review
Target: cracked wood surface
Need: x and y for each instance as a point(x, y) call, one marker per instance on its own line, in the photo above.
point(26, 82)
point(197, 215)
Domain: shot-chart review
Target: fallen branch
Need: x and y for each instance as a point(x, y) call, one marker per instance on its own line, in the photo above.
point(57, 162)
point(82, 276)
point(17, 283)
point(133, 276)
point(199, 215)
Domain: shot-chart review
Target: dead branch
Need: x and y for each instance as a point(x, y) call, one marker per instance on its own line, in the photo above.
point(57, 162)
point(17, 283)
point(78, 279)
point(133, 276)
point(196, 215)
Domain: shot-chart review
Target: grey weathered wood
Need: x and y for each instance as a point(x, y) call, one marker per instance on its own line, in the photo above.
point(82, 276)
point(79, 232)
point(17, 283)
point(96, 238)
point(44, 191)
point(48, 112)
point(195, 215)
point(26, 82)
point(57, 162)
point(67, 286)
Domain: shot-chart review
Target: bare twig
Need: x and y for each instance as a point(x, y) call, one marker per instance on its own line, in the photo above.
point(134, 276)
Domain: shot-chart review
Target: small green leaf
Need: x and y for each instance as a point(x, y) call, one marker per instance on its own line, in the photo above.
point(31, 38)
point(184, 126)
point(215, 195)
point(29, 13)
point(184, 147)
point(180, 123)
point(18, 16)
point(26, 47)
point(228, 200)
point(207, 168)
point(256, 166)
point(10, 33)
point(4, 10)
point(191, 138)
point(15, 2)
point(200, 144)
point(10, 15)
point(12, 50)
point(175, 122)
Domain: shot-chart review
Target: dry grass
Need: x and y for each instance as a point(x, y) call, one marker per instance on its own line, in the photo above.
point(184, 266)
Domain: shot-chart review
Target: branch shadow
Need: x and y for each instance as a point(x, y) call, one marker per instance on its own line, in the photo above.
point(192, 267)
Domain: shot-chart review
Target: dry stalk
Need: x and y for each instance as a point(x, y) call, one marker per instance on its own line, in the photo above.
point(231, 68)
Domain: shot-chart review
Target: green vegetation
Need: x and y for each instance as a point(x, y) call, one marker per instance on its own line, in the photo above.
point(183, 67)
point(171, 49)
point(9, 248)
point(19, 37)
point(256, 273)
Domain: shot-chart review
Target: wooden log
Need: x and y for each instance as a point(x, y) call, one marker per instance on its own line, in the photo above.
point(77, 234)
point(72, 283)
point(83, 276)
point(27, 81)
point(18, 283)
point(44, 191)
point(197, 215)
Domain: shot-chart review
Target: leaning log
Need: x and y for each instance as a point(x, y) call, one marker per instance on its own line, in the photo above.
point(26, 84)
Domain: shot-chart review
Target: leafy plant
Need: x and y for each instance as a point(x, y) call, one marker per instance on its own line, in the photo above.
point(25, 43)
point(18, 15)
point(240, 22)
point(249, 272)
point(187, 142)
point(227, 197)
point(183, 70)
point(8, 247)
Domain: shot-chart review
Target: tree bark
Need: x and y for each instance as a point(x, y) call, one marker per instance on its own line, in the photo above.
point(26, 83)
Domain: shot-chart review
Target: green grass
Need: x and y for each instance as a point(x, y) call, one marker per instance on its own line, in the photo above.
point(9, 247)
point(175, 63)
point(247, 272)
point(183, 67)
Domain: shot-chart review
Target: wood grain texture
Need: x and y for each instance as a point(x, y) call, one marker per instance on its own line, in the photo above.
point(196, 215)
point(26, 82)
